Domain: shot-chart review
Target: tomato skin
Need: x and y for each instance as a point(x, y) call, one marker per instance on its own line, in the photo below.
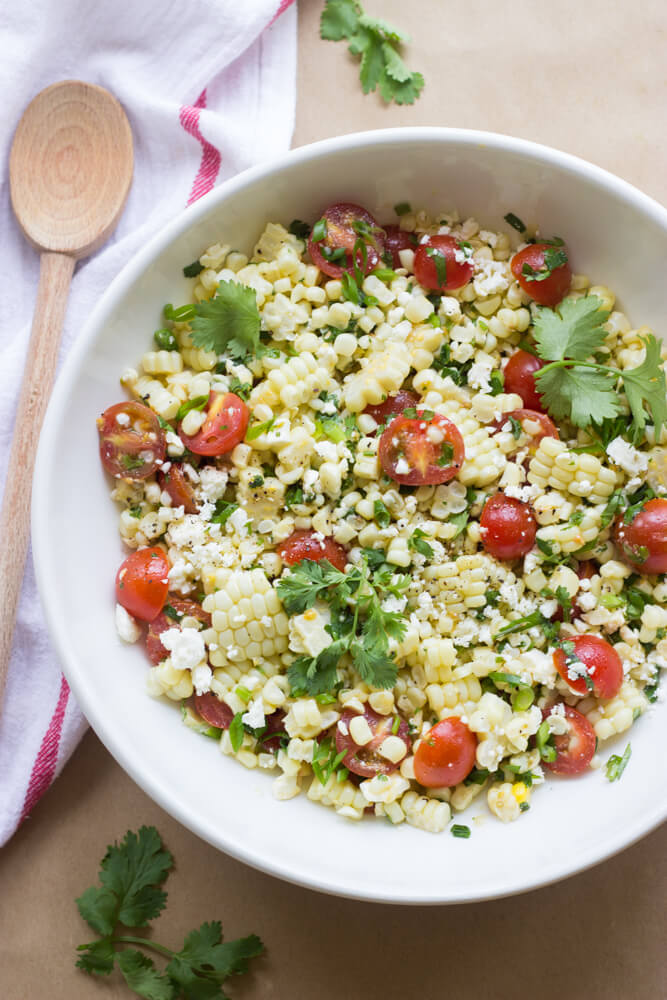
point(366, 761)
point(600, 659)
point(508, 527)
point(340, 219)
point(304, 544)
point(395, 240)
point(574, 750)
point(406, 440)
point(546, 426)
point(392, 406)
point(648, 530)
point(179, 489)
point(142, 583)
point(274, 724)
point(446, 755)
point(137, 434)
point(551, 290)
point(217, 713)
point(458, 273)
point(519, 375)
point(225, 425)
point(183, 606)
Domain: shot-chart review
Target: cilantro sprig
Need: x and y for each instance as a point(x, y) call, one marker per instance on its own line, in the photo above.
point(577, 387)
point(229, 323)
point(378, 45)
point(130, 896)
point(360, 627)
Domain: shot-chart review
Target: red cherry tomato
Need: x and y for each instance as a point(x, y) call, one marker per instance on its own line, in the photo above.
point(600, 661)
point(303, 544)
point(392, 406)
point(142, 583)
point(367, 761)
point(217, 713)
point(275, 730)
point(535, 426)
point(182, 606)
point(418, 450)
point(225, 425)
point(533, 269)
point(132, 443)
point(574, 749)
point(446, 755)
point(395, 240)
point(520, 378)
point(347, 223)
point(449, 272)
point(508, 527)
point(643, 542)
point(178, 488)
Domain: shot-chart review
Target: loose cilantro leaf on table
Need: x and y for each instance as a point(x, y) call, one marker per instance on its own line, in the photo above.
point(229, 323)
point(131, 876)
point(378, 45)
point(360, 626)
point(585, 391)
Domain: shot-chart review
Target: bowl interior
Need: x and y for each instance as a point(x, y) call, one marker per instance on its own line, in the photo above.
point(616, 236)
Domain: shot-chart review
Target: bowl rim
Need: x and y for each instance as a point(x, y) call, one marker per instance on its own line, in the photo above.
point(45, 575)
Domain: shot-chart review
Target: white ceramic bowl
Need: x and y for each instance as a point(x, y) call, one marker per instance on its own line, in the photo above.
point(617, 236)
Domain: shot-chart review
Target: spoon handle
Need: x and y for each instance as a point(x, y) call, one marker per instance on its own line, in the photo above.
point(55, 275)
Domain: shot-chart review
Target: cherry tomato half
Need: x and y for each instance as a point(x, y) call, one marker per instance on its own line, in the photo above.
point(182, 606)
point(345, 224)
point(534, 426)
point(442, 265)
point(303, 544)
point(367, 761)
point(600, 661)
point(142, 583)
point(395, 240)
point(392, 406)
point(446, 755)
point(421, 450)
point(574, 749)
point(643, 542)
point(520, 378)
point(225, 425)
point(533, 267)
point(217, 713)
point(132, 443)
point(507, 527)
point(174, 482)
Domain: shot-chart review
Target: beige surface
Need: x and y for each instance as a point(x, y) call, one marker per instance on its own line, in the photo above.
point(592, 83)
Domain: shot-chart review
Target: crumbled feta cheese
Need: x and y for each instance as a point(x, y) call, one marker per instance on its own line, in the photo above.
point(254, 717)
point(127, 627)
point(201, 678)
point(307, 632)
point(626, 457)
point(402, 467)
point(186, 647)
point(238, 520)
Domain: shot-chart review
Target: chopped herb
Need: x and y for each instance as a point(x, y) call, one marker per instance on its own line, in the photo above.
point(514, 221)
point(258, 429)
point(293, 495)
point(240, 389)
point(440, 264)
point(446, 454)
point(171, 612)
point(193, 269)
point(165, 340)
point(517, 429)
point(651, 690)
point(236, 732)
point(223, 511)
point(183, 314)
point(459, 830)
point(299, 229)
point(131, 462)
point(319, 231)
point(545, 744)
point(229, 322)
point(616, 765)
point(384, 273)
point(402, 208)
point(326, 761)
point(565, 601)
point(496, 382)
point(381, 515)
point(198, 403)
point(553, 259)
point(417, 542)
point(256, 482)
point(477, 776)
point(135, 511)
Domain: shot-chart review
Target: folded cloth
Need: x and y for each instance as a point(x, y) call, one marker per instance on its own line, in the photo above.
point(209, 89)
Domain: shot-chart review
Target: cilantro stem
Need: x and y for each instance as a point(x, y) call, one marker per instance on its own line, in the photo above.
point(568, 362)
point(145, 942)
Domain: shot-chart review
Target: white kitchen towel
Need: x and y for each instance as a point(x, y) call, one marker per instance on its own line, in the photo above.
point(209, 88)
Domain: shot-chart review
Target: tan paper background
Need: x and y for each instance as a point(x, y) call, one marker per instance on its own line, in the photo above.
point(587, 76)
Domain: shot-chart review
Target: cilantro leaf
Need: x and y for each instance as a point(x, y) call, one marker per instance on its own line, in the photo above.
point(305, 584)
point(574, 329)
point(377, 43)
point(373, 665)
point(229, 322)
point(339, 19)
point(132, 871)
point(645, 388)
point(140, 974)
point(316, 675)
point(581, 394)
point(204, 948)
point(97, 958)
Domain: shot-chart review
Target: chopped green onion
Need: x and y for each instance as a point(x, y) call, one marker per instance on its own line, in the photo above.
point(165, 339)
point(616, 765)
point(193, 269)
point(319, 231)
point(515, 222)
point(402, 208)
point(459, 830)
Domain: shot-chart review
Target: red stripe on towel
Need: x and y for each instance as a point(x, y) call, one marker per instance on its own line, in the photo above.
point(284, 4)
point(44, 768)
point(210, 157)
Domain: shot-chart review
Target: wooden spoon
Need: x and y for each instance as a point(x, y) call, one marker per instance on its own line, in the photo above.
point(70, 170)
